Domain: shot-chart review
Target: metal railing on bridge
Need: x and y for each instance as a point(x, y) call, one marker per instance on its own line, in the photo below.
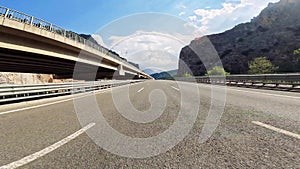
point(13, 93)
point(30, 20)
point(272, 81)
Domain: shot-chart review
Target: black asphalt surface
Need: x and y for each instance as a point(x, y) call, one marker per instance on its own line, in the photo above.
point(236, 143)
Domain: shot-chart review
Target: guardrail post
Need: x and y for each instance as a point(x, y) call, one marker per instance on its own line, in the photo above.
point(31, 20)
point(51, 25)
point(6, 13)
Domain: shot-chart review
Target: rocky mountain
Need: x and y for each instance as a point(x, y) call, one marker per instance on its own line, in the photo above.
point(165, 75)
point(275, 34)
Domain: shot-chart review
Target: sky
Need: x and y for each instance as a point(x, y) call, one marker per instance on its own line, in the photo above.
point(148, 32)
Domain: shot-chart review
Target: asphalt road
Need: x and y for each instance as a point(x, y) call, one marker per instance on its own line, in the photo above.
point(245, 137)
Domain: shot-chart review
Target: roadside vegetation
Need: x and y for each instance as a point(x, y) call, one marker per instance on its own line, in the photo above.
point(187, 74)
point(297, 54)
point(217, 71)
point(261, 65)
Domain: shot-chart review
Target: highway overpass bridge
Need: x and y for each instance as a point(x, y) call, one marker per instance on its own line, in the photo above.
point(31, 45)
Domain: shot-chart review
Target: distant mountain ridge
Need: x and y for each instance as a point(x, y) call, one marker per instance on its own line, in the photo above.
point(151, 71)
point(275, 34)
point(165, 75)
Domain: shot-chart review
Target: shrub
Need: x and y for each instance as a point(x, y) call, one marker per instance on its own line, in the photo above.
point(261, 65)
point(217, 70)
point(187, 74)
point(297, 52)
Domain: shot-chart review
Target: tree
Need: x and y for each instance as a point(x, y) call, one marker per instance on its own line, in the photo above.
point(217, 70)
point(297, 52)
point(261, 65)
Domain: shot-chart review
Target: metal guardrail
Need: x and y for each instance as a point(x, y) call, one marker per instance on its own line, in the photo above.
point(12, 93)
point(30, 20)
point(279, 81)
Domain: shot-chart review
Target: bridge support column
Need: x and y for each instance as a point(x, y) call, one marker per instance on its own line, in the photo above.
point(121, 71)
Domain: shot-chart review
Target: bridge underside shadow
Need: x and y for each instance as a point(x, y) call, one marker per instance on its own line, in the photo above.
point(26, 62)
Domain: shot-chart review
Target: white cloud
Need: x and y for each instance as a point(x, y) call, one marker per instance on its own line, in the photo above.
point(232, 1)
point(181, 13)
point(150, 49)
point(232, 13)
point(193, 18)
point(195, 31)
point(209, 14)
point(180, 6)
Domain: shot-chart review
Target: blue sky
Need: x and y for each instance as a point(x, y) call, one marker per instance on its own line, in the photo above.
point(129, 36)
point(87, 16)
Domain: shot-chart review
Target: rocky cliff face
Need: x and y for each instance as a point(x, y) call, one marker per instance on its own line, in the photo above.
point(24, 78)
point(275, 34)
point(29, 78)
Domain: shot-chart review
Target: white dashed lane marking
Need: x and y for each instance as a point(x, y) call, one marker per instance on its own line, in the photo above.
point(141, 90)
point(175, 88)
point(47, 150)
point(285, 132)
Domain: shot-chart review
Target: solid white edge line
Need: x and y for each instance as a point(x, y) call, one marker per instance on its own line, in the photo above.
point(175, 88)
point(47, 150)
point(288, 133)
point(141, 90)
point(254, 92)
point(269, 94)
